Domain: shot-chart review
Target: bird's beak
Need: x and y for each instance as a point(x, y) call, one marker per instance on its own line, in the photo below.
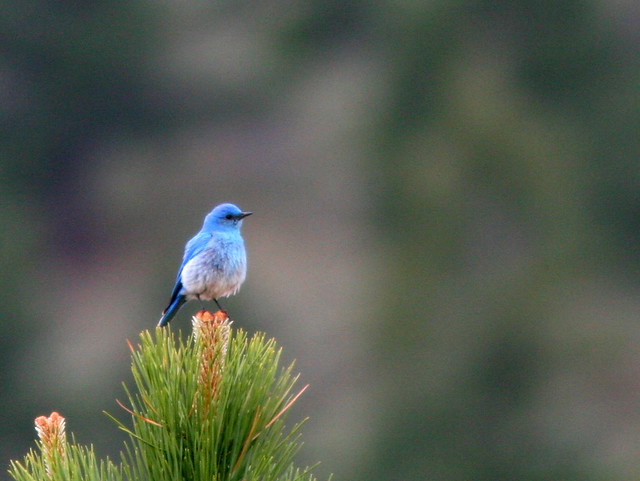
point(242, 215)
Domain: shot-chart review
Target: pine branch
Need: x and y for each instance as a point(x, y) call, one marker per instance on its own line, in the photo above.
point(211, 407)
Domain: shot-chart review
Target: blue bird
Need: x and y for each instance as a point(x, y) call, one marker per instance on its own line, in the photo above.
point(214, 263)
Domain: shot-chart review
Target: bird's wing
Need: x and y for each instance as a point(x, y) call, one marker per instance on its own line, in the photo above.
point(196, 245)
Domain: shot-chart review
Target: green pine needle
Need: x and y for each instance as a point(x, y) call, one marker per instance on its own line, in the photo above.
point(209, 407)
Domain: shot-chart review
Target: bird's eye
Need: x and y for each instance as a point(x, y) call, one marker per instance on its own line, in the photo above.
point(228, 217)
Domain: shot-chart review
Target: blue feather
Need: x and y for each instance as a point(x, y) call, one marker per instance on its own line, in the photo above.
point(214, 263)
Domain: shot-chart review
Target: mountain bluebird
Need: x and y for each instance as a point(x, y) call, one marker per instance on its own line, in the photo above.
point(214, 263)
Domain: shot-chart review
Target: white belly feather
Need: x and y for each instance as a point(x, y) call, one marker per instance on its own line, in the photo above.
point(218, 271)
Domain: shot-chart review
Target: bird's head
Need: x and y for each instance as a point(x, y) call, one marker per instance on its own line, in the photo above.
point(224, 216)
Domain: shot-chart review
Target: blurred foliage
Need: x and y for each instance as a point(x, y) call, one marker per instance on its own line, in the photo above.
point(499, 157)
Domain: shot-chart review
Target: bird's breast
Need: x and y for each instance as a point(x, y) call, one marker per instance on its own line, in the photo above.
point(218, 271)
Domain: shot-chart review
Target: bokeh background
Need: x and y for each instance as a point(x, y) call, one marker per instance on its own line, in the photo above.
point(446, 228)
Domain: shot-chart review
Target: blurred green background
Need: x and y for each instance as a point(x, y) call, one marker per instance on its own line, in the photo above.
point(446, 228)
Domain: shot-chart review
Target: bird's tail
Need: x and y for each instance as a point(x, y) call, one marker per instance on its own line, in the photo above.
point(172, 310)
